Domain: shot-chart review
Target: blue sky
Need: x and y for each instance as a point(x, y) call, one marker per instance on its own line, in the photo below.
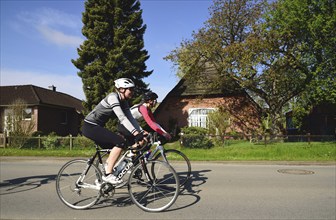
point(40, 37)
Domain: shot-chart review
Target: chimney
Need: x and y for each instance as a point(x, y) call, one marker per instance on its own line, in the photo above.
point(52, 87)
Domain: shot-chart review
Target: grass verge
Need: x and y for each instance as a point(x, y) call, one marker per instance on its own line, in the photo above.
point(232, 151)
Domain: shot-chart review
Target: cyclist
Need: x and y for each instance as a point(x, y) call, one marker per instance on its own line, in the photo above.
point(116, 105)
point(143, 111)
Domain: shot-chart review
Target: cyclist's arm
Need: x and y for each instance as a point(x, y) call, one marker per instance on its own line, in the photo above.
point(149, 118)
point(122, 117)
point(133, 121)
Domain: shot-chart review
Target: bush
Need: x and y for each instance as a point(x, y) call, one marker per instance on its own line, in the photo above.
point(51, 141)
point(17, 140)
point(81, 142)
point(194, 130)
point(31, 143)
point(195, 137)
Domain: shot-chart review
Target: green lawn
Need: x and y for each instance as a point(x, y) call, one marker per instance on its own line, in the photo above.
point(272, 152)
point(232, 151)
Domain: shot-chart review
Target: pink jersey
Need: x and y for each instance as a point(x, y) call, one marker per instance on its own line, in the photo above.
point(147, 115)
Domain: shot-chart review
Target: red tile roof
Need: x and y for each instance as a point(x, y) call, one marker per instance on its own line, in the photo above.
point(34, 95)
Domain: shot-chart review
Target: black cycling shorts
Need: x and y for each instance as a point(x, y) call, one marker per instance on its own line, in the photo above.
point(126, 134)
point(102, 136)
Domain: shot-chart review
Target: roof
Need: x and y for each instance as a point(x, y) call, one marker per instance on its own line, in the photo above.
point(34, 95)
point(208, 86)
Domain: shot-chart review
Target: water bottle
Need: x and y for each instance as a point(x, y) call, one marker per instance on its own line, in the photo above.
point(120, 167)
point(148, 153)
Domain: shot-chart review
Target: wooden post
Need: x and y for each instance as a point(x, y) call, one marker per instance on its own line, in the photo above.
point(70, 136)
point(308, 138)
point(39, 141)
point(5, 139)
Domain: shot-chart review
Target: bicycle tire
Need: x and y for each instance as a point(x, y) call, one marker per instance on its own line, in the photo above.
point(78, 195)
point(179, 161)
point(155, 190)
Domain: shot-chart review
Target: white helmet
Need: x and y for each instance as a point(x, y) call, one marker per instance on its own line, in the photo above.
point(124, 83)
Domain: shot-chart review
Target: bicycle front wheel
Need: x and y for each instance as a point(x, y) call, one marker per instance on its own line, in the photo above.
point(78, 189)
point(153, 186)
point(180, 162)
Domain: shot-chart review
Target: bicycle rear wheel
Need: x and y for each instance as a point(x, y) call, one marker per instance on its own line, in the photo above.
point(153, 186)
point(75, 188)
point(180, 162)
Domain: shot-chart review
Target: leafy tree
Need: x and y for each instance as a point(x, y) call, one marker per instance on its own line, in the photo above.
point(19, 128)
point(312, 24)
point(220, 45)
point(272, 51)
point(219, 122)
point(114, 48)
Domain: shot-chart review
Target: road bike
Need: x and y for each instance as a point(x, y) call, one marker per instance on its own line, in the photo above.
point(156, 151)
point(153, 185)
point(178, 160)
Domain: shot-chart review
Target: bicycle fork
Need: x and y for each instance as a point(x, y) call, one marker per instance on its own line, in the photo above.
point(157, 149)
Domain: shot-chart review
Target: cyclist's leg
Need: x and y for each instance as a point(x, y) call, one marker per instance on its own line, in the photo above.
point(112, 159)
point(106, 139)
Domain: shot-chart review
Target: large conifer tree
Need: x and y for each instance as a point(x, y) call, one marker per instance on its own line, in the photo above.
point(114, 48)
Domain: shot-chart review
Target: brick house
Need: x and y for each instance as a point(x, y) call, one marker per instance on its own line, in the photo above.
point(51, 111)
point(188, 104)
point(320, 121)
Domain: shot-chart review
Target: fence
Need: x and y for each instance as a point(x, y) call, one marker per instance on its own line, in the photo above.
point(257, 139)
point(80, 142)
point(285, 138)
point(46, 142)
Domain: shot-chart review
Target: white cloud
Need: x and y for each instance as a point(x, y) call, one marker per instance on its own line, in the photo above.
point(52, 17)
point(55, 26)
point(58, 37)
point(69, 84)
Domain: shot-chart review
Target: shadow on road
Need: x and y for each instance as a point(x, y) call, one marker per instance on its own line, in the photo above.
point(24, 183)
point(189, 194)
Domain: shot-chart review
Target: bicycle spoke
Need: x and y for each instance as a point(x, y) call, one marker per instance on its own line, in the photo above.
point(159, 192)
point(179, 162)
point(78, 195)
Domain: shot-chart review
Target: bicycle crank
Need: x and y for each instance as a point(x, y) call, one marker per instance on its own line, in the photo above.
point(107, 190)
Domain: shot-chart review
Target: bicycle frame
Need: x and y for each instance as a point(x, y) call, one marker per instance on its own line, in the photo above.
point(89, 164)
point(158, 148)
point(135, 161)
point(139, 158)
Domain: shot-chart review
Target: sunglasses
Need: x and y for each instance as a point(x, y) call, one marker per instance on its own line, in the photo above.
point(131, 89)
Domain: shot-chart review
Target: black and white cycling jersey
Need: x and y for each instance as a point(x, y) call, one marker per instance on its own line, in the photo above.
point(113, 107)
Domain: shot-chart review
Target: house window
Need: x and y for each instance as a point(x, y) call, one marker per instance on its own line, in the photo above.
point(64, 118)
point(198, 117)
point(289, 123)
point(27, 114)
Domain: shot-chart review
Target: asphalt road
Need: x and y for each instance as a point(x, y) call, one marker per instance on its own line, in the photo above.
point(217, 191)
